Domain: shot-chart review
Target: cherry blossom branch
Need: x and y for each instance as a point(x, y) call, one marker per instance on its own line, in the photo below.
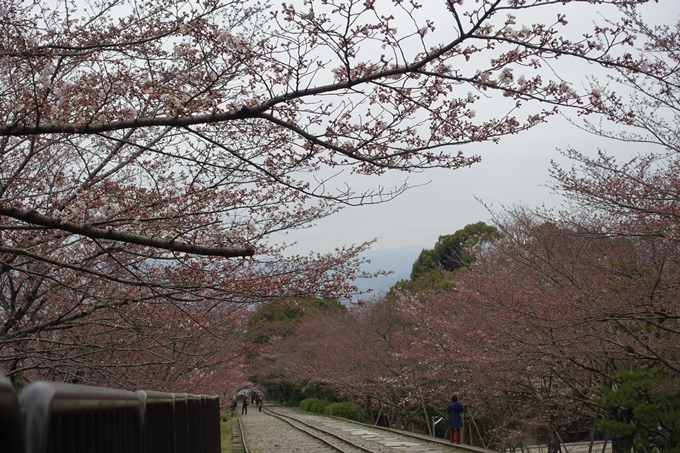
point(110, 234)
point(65, 265)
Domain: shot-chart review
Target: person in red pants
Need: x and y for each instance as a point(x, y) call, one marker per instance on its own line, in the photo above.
point(455, 420)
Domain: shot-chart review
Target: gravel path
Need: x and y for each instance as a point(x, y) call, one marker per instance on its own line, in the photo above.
point(266, 434)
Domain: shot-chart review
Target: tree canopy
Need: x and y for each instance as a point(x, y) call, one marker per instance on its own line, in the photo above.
point(279, 318)
point(454, 251)
point(151, 152)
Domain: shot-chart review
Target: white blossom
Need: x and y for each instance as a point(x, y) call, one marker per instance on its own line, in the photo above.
point(252, 228)
point(506, 77)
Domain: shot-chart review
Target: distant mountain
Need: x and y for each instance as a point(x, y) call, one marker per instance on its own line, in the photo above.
point(399, 260)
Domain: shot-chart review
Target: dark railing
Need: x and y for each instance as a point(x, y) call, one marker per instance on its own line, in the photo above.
point(12, 437)
point(52, 417)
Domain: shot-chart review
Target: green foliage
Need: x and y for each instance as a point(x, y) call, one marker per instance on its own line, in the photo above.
point(452, 253)
point(643, 406)
point(429, 282)
point(345, 410)
point(280, 318)
point(304, 404)
point(292, 393)
point(314, 405)
point(225, 436)
point(320, 406)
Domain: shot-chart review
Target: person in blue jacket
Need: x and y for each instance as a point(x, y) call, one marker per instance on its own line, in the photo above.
point(455, 420)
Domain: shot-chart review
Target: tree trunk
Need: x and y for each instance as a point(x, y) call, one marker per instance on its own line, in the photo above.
point(553, 442)
point(427, 421)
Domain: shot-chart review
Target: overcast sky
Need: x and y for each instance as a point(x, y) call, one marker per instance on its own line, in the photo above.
point(511, 173)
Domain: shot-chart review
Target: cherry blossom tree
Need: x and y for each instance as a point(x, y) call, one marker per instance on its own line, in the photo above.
point(606, 264)
point(366, 354)
point(150, 152)
point(571, 303)
point(635, 200)
point(542, 321)
point(560, 316)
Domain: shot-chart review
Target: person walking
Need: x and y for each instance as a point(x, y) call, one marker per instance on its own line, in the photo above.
point(233, 407)
point(259, 405)
point(455, 420)
point(244, 407)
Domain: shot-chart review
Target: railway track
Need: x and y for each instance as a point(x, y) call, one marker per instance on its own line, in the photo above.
point(334, 441)
point(461, 448)
point(241, 446)
point(279, 429)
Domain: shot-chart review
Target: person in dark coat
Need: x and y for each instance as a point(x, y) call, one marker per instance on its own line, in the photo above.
point(455, 420)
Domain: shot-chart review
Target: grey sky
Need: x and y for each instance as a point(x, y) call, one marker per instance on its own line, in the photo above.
point(511, 173)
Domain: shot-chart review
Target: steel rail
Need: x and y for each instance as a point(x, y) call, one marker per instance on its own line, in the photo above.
point(418, 437)
point(328, 433)
point(421, 437)
point(243, 435)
